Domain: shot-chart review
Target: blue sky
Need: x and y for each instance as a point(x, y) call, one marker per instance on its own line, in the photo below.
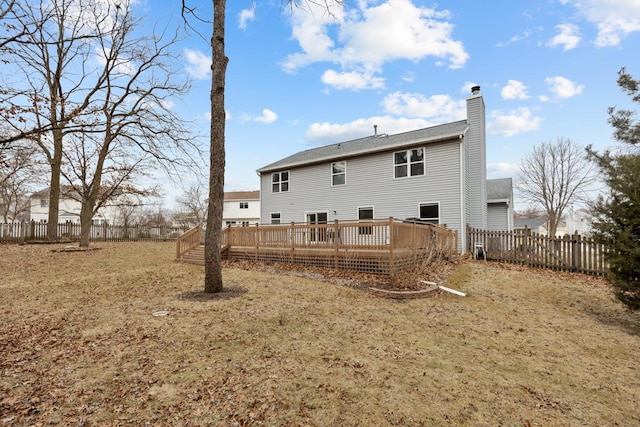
point(298, 80)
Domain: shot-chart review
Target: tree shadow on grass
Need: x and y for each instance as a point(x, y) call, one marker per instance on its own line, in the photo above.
point(626, 320)
point(226, 294)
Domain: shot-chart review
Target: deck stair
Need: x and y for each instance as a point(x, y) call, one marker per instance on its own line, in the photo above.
point(194, 256)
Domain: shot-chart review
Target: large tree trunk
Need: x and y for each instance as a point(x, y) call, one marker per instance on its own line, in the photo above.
point(213, 236)
point(54, 187)
point(86, 215)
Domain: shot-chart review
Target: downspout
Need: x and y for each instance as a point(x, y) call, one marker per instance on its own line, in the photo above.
point(463, 205)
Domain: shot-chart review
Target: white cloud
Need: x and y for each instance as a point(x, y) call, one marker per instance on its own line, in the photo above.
point(514, 90)
point(327, 133)
point(466, 87)
point(502, 169)
point(615, 19)
point(409, 76)
point(198, 64)
point(366, 37)
point(267, 117)
point(513, 122)
point(353, 80)
point(437, 108)
point(562, 87)
point(245, 16)
point(525, 35)
point(568, 37)
point(121, 64)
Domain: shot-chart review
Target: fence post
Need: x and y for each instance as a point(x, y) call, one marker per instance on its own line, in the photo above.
point(576, 246)
point(526, 241)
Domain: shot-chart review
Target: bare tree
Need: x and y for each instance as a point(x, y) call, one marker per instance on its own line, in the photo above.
point(50, 104)
point(553, 176)
point(213, 235)
point(10, 31)
point(132, 126)
point(192, 206)
point(92, 86)
point(21, 169)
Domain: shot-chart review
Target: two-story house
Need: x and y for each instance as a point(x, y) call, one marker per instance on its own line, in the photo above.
point(241, 208)
point(69, 208)
point(436, 174)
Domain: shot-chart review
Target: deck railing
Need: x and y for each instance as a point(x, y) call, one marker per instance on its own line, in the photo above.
point(189, 240)
point(384, 246)
point(388, 234)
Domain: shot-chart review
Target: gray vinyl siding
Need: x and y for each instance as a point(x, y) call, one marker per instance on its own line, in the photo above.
point(370, 182)
point(476, 164)
point(498, 217)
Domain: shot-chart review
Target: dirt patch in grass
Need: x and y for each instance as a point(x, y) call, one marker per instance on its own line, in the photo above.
point(80, 345)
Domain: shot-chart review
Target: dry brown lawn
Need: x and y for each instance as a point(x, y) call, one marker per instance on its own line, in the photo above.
point(80, 346)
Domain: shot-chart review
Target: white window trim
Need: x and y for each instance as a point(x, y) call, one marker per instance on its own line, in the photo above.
point(271, 217)
point(280, 181)
point(408, 152)
point(334, 174)
point(373, 215)
point(430, 203)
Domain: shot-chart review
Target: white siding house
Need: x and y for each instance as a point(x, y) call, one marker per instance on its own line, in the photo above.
point(436, 174)
point(241, 208)
point(69, 209)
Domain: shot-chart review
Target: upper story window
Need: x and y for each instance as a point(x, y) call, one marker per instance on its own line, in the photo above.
point(244, 205)
point(408, 163)
point(339, 173)
point(430, 212)
point(44, 203)
point(280, 182)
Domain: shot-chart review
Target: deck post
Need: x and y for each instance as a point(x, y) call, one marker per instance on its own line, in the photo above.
point(257, 240)
point(293, 241)
point(392, 269)
point(336, 238)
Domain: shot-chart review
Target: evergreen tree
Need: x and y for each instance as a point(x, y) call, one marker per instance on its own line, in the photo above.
point(617, 216)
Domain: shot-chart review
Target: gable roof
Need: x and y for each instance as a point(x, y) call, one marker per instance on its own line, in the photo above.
point(370, 144)
point(534, 222)
point(242, 195)
point(499, 190)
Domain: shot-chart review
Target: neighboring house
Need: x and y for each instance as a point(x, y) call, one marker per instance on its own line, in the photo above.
point(579, 221)
point(539, 225)
point(69, 209)
point(500, 204)
point(241, 208)
point(437, 174)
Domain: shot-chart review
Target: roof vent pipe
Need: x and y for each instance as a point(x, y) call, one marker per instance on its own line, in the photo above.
point(475, 90)
point(375, 130)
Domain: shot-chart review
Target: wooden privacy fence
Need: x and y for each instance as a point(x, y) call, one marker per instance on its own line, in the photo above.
point(376, 246)
point(569, 253)
point(20, 232)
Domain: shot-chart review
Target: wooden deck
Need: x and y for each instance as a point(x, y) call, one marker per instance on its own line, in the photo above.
point(383, 247)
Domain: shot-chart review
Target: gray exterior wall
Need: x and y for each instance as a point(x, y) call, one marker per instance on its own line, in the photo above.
point(455, 177)
point(370, 182)
point(498, 217)
point(476, 163)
